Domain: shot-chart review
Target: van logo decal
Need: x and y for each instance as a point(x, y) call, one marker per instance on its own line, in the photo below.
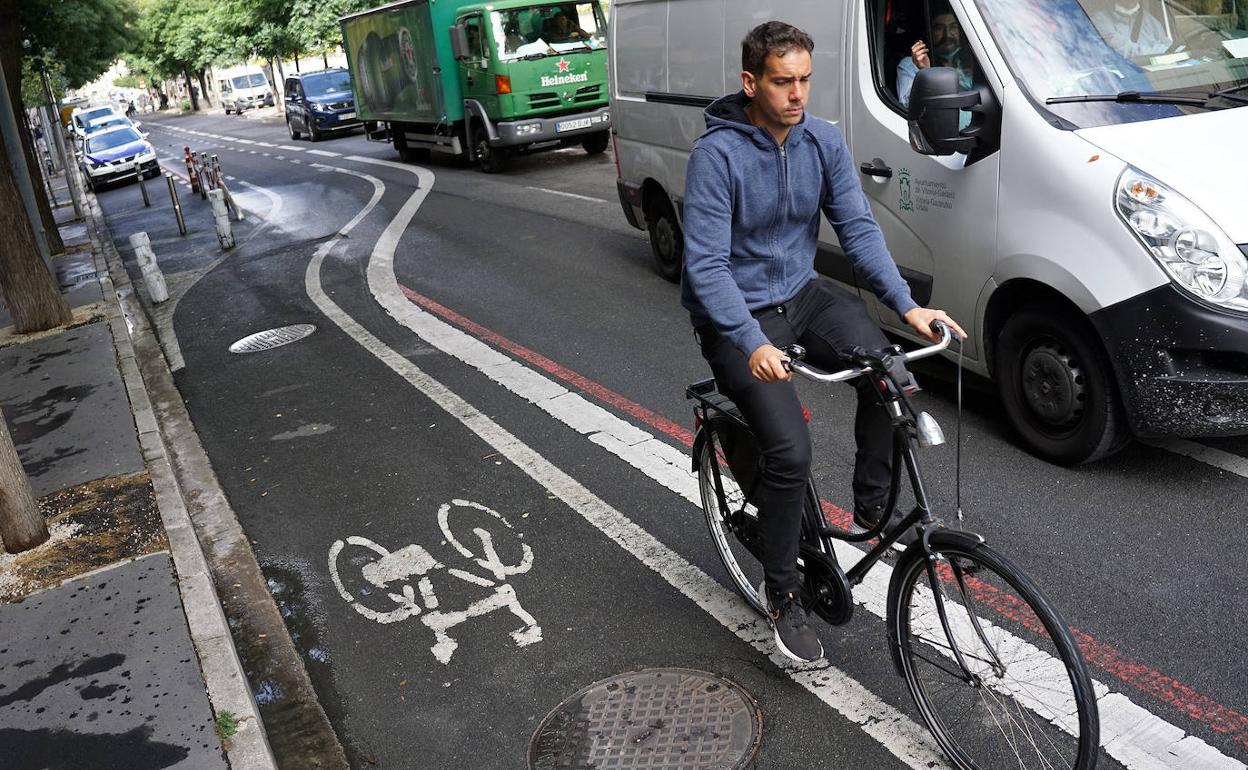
point(903, 181)
point(564, 64)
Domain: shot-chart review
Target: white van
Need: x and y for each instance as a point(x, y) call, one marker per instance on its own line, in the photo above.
point(243, 87)
point(1088, 228)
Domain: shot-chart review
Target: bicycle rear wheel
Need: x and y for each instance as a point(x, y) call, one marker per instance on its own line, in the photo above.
point(728, 470)
point(1028, 702)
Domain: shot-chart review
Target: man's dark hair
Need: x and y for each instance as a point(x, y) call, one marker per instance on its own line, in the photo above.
point(768, 38)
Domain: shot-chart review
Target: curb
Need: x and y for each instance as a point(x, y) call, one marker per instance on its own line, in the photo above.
point(206, 538)
point(222, 670)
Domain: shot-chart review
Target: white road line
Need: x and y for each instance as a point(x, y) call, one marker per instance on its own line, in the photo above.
point(1218, 458)
point(289, 147)
point(244, 141)
point(893, 729)
point(266, 144)
point(267, 154)
point(1168, 745)
point(567, 194)
point(253, 152)
point(326, 153)
point(229, 178)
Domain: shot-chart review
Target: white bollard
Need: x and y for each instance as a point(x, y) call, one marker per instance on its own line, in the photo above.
point(221, 215)
point(152, 276)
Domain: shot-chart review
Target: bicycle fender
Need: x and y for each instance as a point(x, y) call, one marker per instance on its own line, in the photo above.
point(937, 538)
point(699, 445)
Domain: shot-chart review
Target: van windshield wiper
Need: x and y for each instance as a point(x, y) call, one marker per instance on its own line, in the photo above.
point(1132, 97)
point(1232, 93)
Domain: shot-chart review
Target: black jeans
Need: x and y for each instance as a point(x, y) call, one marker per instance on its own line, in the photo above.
point(827, 320)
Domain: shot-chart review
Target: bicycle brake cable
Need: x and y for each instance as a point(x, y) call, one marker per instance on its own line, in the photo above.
point(958, 431)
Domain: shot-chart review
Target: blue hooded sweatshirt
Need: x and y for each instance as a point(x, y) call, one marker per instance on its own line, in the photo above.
point(751, 220)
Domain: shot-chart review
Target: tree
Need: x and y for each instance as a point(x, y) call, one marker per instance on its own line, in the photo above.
point(315, 22)
point(21, 524)
point(29, 290)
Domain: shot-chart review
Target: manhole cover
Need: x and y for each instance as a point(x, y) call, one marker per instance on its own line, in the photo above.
point(272, 338)
point(658, 719)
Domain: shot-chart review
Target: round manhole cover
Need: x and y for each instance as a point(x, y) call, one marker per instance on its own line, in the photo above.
point(656, 719)
point(272, 338)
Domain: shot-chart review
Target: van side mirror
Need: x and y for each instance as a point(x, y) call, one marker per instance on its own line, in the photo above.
point(934, 116)
point(459, 42)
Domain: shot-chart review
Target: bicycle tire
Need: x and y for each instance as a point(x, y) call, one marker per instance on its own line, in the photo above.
point(1051, 721)
point(726, 446)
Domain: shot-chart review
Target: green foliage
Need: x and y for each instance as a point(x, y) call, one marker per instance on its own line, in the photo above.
point(227, 725)
point(84, 36)
point(185, 105)
point(315, 22)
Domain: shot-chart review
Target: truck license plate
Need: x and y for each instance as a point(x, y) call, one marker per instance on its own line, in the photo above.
point(572, 125)
point(346, 116)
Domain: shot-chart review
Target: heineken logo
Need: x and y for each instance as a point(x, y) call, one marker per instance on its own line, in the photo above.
point(562, 80)
point(563, 64)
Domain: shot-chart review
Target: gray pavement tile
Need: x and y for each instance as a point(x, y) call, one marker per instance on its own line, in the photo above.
point(67, 408)
point(101, 673)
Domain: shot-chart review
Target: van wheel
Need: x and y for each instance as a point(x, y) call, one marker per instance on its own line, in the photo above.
point(290, 126)
point(667, 242)
point(314, 133)
point(227, 110)
point(491, 160)
point(596, 143)
point(1058, 386)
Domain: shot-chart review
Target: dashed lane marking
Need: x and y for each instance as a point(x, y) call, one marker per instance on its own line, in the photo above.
point(567, 194)
point(325, 153)
point(289, 147)
point(1218, 458)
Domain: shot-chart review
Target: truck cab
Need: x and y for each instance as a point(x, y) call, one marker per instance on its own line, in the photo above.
point(485, 81)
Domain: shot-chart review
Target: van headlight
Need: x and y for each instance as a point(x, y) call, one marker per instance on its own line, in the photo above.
point(1190, 247)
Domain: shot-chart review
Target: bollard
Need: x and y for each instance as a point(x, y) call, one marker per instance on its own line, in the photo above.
point(177, 205)
point(190, 169)
point(221, 215)
point(200, 164)
point(147, 265)
point(147, 202)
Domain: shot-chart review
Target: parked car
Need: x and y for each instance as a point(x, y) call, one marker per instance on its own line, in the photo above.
point(1083, 219)
point(320, 102)
point(117, 153)
point(81, 117)
point(244, 87)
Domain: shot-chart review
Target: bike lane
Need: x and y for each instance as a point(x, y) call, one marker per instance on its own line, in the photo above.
point(439, 593)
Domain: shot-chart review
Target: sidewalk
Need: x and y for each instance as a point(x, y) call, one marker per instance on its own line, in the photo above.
point(101, 662)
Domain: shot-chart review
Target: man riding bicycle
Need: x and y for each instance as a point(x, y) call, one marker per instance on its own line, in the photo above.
point(757, 181)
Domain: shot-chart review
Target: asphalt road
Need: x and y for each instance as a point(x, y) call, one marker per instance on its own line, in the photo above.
point(414, 422)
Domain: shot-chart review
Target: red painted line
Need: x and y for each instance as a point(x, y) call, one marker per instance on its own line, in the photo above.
point(1217, 717)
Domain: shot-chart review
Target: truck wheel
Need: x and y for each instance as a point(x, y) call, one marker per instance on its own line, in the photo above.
point(290, 126)
point(596, 143)
point(491, 160)
point(1058, 386)
point(667, 242)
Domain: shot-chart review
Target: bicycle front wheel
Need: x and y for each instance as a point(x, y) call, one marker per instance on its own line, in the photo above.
point(1000, 683)
point(728, 470)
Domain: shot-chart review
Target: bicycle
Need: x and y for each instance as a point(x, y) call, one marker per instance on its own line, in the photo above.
point(964, 623)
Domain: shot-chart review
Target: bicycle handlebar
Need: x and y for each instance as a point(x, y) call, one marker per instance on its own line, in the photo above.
point(946, 336)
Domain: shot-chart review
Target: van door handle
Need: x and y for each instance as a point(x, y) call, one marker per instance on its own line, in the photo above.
point(470, 80)
point(883, 172)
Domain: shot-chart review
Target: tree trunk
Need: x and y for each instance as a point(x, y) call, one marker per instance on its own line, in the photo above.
point(10, 59)
point(190, 88)
point(21, 524)
point(276, 77)
point(203, 86)
point(29, 289)
point(325, 58)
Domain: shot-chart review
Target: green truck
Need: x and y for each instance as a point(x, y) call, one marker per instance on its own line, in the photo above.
point(481, 80)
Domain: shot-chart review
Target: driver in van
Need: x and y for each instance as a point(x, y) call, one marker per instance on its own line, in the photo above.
point(757, 183)
point(948, 50)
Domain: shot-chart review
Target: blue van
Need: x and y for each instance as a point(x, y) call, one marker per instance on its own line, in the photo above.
point(320, 102)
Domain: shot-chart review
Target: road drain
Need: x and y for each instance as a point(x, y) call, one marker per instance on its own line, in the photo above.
point(272, 338)
point(657, 719)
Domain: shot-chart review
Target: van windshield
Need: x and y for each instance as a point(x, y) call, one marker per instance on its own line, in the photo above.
point(246, 81)
point(1072, 48)
point(543, 30)
point(327, 83)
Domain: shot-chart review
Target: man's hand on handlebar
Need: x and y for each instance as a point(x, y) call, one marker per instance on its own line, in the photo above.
point(767, 363)
point(921, 319)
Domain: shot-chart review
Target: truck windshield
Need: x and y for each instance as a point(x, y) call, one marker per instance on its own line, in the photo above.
point(247, 81)
point(549, 29)
point(328, 83)
point(1071, 48)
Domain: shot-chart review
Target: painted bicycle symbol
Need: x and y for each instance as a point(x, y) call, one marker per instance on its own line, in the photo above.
point(372, 569)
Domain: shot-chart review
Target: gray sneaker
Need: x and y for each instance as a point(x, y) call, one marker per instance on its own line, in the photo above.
point(794, 636)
